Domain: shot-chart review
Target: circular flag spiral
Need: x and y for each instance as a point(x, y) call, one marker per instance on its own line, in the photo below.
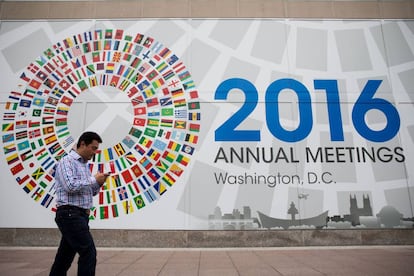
point(147, 161)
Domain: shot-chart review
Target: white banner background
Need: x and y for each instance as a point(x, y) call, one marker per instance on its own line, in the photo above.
point(261, 52)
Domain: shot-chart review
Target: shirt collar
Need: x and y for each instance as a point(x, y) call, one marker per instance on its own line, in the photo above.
point(76, 156)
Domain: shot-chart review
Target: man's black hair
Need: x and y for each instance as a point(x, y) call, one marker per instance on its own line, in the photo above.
point(88, 138)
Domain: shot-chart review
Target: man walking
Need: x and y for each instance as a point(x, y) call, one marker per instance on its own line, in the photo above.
point(75, 188)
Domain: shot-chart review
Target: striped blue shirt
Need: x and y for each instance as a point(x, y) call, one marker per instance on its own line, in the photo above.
point(75, 184)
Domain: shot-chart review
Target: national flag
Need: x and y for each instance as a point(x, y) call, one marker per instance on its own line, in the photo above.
point(151, 75)
point(110, 196)
point(179, 103)
point(122, 193)
point(22, 145)
point(167, 178)
point(17, 168)
point(137, 100)
point(145, 163)
point(38, 173)
point(62, 110)
point(130, 158)
point(12, 158)
point(139, 202)
point(108, 155)
point(8, 127)
point(9, 116)
point(168, 156)
point(36, 112)
point(107, 45)
point(21, 135)
point(150, 132)
point(82, 85)
point(127, 47)
point(29, 186)
point(162, 166)
point(126, 175)
point(9, 148)
point(114, 81)
point(168, 75)
point(193, 94)
point(184, 75)
point(49, 110)
point(47, 200)
point(166, 123)
point(104, 212)
point(52, 101)
point(153, 174)
point(180, 113)
point(128, 206)
point(119, 149)
point(128, 142)
point(153, 113)
point(175, 169)
point(110, 68)
point(153, 122)
point(180, 124)
point(49, 53)
point(49, 162)
point(164, 133)
point(96, 57)
point(174, 146)
point(165, 101)
point(139, 149)
point(21, 124)
point(66, 100)
point(34, 133)
point(187, 149)
point(194, 105)
point(136, 170)
point(33, 68)
point(114, 209)
point(133, 188)
point(194, 127)
point(61, 122)
point(177, 93)
point(38, 194)
point(124, 85)
point(64, 84)
point(55, 148)
point(145, 142)
point(52, 138)
point(8, 138)
point(188, 85)
point(149, 195)
point(172, 59)
point(194, 116)
point(11, 106)
point(25, 103)
point(191, 138)
point(153, 154)
point(160, 188)
point(86, 47)
point(160, 145)
point(161, 67)
point(184, 160)
point(135, 132)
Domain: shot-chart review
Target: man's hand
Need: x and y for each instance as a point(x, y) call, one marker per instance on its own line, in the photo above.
point(101, 178)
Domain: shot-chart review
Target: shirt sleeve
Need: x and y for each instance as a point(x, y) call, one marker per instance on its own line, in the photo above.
point(94, 185)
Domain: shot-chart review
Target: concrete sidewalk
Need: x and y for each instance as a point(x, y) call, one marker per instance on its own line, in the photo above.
point(361, 260)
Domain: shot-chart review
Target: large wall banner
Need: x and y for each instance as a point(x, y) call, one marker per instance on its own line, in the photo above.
point(212, 124)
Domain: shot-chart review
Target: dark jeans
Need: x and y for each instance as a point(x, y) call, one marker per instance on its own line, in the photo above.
point(73, 223)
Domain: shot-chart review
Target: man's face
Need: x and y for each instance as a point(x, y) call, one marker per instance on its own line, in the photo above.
point(88, 151)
